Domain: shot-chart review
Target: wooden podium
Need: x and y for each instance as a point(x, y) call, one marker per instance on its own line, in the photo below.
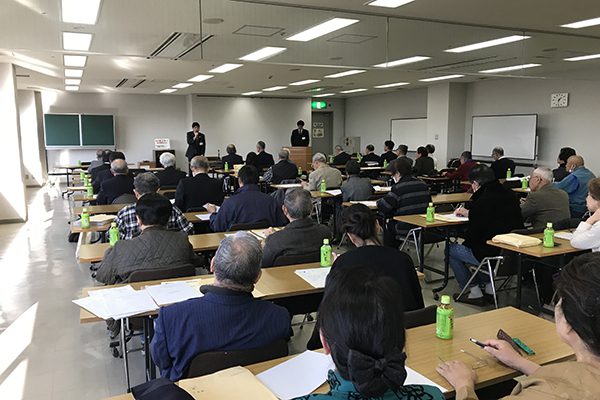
point(301, 155)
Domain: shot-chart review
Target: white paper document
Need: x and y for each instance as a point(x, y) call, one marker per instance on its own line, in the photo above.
point(564, 235)
point(452, 217)
point(378, 188)
point(366, 203)
point(121, 305)
point(171, 292)
point(415, 378)
point(298, 376)
point(95, 305)
point(289, 185)
point(203, 217)
point(315, 276)
point(334, 192)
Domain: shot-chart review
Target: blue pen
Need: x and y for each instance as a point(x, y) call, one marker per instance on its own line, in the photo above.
point(477, 343)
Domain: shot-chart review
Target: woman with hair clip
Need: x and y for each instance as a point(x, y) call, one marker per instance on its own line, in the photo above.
point(577, 314)
point(362, 327)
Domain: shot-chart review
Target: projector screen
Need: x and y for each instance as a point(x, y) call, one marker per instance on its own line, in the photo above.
point(516, 134)
point(411, 132)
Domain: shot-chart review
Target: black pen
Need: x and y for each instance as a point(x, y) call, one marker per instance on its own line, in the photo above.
point(477, 343)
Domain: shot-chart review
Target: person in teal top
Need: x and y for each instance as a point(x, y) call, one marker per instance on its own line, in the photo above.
point(575, 184)
point(362, 327)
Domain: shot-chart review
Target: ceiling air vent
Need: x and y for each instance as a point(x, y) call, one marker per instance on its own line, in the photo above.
point(178, 44)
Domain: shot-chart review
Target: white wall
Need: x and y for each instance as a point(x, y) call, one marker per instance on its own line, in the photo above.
point(576, 126)
point(32, 137)
point(369, 116)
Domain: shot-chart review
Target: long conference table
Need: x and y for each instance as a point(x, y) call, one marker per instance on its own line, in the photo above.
point(424, 349)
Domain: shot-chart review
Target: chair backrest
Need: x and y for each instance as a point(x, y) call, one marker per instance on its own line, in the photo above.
point(168, 187)
point(142, 275)
point(293, 260)
point(125, 198)
point(169, 194)
point(375, 197)
point(248, 226)
point(196, 209)
point(423, 316)
point(211, 362)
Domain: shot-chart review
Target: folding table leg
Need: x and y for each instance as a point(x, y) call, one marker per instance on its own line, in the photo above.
point(124, 351)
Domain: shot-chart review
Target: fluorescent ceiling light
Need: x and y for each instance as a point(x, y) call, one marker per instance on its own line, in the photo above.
point(511, 68)
point(72, 88)
point(200, 78)
point(439, 78)
point(182, 85)
point(263, 53)
point(389, 3)
point(305, 82)
point(583, 24)
point(74, 82)
point(274, 88)
point(77, 41)
point(354, 90)
point(168, 90)
point(346, 73)
point(403, 61)
point(251, 93)
point(389, 85)
point(73, 73)
point(583, 58)
point(74, 61)
point(225, 68)
point(489, 43)
point(322, 29)
point(80, 11)
point(324, 95)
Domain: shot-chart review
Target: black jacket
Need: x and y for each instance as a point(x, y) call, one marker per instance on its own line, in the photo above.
point(372, 157)
point(300, 138)
point(231, 160)
point(282, 171)
point(501, 165)
point(494, 210)
point(112, 188)
point(170, 176)
point(341, 159)
point(197, 191)
point(105, 175)
point(196, 147)
point(559, 173)
point(265, 159)
point(423, 165)
point(389, 156)
point(95, 173)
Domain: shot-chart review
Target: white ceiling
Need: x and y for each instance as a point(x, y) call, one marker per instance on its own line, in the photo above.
point(128, 31)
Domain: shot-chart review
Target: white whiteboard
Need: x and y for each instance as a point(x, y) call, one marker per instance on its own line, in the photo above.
point(516, 134)
point(411, 132)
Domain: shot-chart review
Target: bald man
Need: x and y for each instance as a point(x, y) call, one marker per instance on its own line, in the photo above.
point(120, 184)
point(545, 203)
point(575, 184)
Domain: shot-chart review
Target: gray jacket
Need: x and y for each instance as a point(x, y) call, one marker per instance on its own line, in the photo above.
point(356, 189)
point(548, 204)
point(332, 177)
point(153, 248)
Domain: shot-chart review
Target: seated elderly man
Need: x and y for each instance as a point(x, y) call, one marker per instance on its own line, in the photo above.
point(370, 155)
point(501, 164)
point(575, 184)
point(248, 204)
point(462, 172)
point(285, 169)
point(198, 189)
point(341, 157)
point(301, 236)
point(121, 183)
point(264, 158)
point(322, 171)
point(97, 162)
point(154, 248)
point(126, 220)
point(545, 203)
point(356, 188)
point(226, 318)
point(169, 176)
point(232, 158)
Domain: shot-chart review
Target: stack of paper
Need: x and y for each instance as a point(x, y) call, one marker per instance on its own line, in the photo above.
point(171, 292)
point(117, 303)
point(315, 276)
point(366, 203)
point(450, 217)
point(564, 235)
point(289, 185)
point(203, 217)
point(334, 192)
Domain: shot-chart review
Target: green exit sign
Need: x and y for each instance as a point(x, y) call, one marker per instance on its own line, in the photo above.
point(318, 105)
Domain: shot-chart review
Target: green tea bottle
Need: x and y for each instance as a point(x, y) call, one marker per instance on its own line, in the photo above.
point(430, 213)
point(444, 322)
point(299, 171)
point(508, 173)
point(524, 184)
point(85, 219)
point(226, 166)
point(323, 186)
point(90, 191)
point(113, 233)
point(549, 235)
point(326, 254)
point(385, 164)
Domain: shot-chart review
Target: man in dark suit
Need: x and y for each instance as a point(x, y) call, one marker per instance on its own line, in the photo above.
point(264, 158)
point(283, 170)
point(231, 158)
point(501, 164)
point(106, 173)
point(301, 236)
point(169, 176)
point(104, 167)
point(196, 142)
point(388, 152)
point(199, 189)
point(370, 156)
point(300, 136)
point(341, 157)
point(121, 183)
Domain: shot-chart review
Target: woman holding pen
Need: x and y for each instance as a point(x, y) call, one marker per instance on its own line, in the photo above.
point(577, 314)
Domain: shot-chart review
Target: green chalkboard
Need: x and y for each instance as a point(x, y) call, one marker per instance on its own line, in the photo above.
point(62, 130)
point(97, 130)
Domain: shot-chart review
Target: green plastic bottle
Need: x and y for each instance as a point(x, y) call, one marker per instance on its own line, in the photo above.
point(326, 254)
point(226, 166)
point(86, 181)
point(548, 235)
point(113, 233)
point(82, 175)
point(430, 213)
point(299, 171)
point(323, 186)
point(85, 219)
point(444, 321)
point(359, 157)
point(508, 173)
point(79, 163)
point(524, 183)
point(330, 159)
point(385, 164)
point(90, 190)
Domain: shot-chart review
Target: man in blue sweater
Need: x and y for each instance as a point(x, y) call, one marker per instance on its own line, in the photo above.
point(575, 184)
point(226, 318)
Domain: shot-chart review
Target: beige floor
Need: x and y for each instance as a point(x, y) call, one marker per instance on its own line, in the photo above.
point(44, 352)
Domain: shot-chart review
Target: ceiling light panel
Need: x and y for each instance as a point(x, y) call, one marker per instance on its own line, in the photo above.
point(182, 85)
point(305, 82)
point(323, 29)
point(583, 24)
point(168, 90)
point(403, 61)
point(77, 41)
point(440, 78)
point(489, 43)
point(80, 11)
point(200, 78)
point(73, 73)
point(583, 58)
point(73, 82)
point(354, 91)
point(72, 88)
point(511, 68)
point(346, 73)
point(74, 61)
point(225, 68)
point(324, 95)
point(263, 53)
point(251, 93)
point(389, 85)
point(274, 88)
point(389, 3)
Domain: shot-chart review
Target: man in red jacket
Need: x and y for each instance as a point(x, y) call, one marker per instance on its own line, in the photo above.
point(462, 172)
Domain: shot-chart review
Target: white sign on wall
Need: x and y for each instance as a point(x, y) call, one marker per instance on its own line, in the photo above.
point(162, 144)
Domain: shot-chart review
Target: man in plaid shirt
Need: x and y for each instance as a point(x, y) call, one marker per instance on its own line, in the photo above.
point(126, 218)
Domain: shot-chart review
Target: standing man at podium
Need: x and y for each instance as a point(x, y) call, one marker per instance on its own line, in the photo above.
point(300, 136)
point(196, 143)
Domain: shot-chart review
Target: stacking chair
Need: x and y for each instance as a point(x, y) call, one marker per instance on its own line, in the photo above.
point(420, 317)
point(125, 198)
point(417, 234)
point(249, 225)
